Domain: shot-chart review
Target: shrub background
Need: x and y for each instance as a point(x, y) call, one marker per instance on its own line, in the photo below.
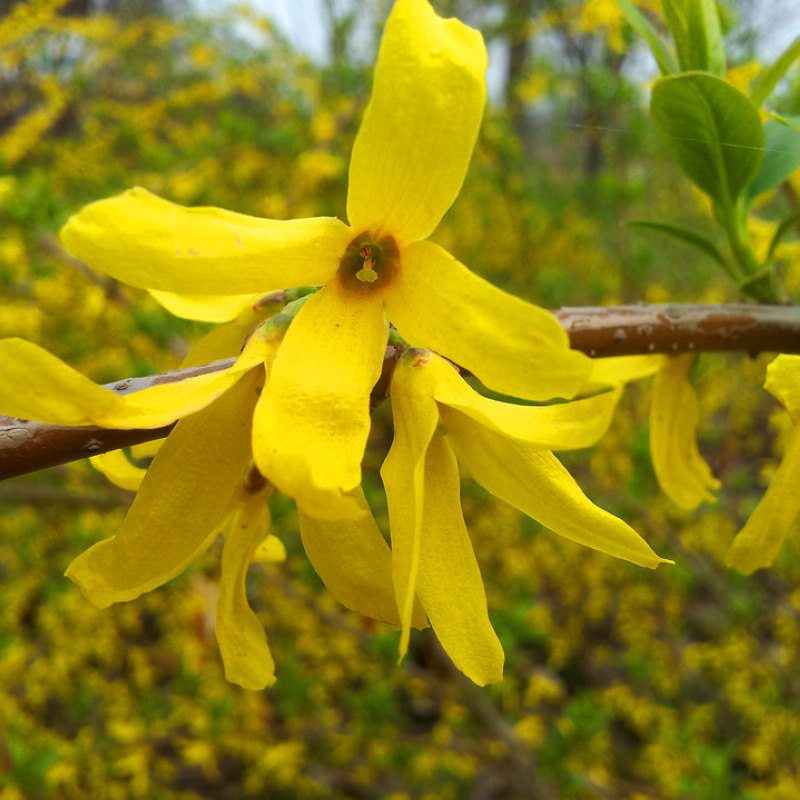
point(619, 682)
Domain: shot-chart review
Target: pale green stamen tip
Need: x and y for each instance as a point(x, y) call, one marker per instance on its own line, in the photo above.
point(367, 275)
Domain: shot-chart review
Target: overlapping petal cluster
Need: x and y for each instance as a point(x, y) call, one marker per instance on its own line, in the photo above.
point(408, 163)
point(293, 412)
point(440, 421)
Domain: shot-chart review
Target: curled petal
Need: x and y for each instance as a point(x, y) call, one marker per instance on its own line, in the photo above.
point(181, 501)
point(449, 583)
point(403, 472)
point(512, 346)
point(355, 563)
point(674, 412)
point(415, 142)
point(241, 637)
point(533, 480)
point(757, 544)
point(561, 426)
point(312, 420)
point(144, 240)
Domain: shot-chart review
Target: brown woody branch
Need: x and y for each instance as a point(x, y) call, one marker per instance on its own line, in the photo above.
point(600, 332)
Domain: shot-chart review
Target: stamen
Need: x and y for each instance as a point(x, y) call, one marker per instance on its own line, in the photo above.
point(367, 273)
point(369, 263)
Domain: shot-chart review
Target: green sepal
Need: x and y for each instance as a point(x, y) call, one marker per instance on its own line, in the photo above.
point(712, 130)
point(659, 48)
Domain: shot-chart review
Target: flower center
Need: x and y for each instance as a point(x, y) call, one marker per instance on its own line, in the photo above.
point(369, 263)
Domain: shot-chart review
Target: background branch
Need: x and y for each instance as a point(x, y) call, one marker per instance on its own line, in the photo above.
point(598, 331)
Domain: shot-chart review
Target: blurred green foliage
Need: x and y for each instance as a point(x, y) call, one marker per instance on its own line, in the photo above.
point(620, 683)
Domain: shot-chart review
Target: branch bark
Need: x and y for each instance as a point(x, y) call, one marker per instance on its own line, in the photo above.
point(599, 332)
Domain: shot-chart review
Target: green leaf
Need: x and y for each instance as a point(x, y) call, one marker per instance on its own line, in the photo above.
point(786, 224)
point(695, 27)
point(781, 157)
point(770, 77)
point(661, 52)
point(684, 234)
point(712, 130)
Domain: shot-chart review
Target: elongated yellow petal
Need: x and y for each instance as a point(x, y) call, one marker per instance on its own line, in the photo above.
point(674, 412)
point(205, 307)
point(143, 240)
point(355, 563)
point(182, 499)
point(36, 385)
point(241, 637)
point(116, 466)
point(312, 420)
point(783, 381)
point(512, 346)
point(757, 544)
point(419, 128)
point(533, 480)
point(449, 582)
point(403, 472)
point(563, 426)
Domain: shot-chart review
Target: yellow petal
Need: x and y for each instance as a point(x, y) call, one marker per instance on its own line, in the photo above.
point(674, 412)
point(143, 240)
point(225, 341)
point(271, 550)
point(312, 420)
point(783, 381)
point(205, 307)
point(534, 481)
point(403, 472)
point(419, 128)
point(449, 582)
point(146, 449)
point(355, 563)
point(36, 385)
point(181, 501)
point(623, 369)
point(562, 426)
point(240, 636)
point(116, 466)
point(511, 346)
point(757, 544)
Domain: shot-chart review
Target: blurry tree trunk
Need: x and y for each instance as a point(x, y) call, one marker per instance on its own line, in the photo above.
point(517, 16)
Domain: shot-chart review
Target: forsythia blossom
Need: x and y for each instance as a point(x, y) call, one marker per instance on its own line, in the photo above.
point(409, 159)
point(292, 411)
